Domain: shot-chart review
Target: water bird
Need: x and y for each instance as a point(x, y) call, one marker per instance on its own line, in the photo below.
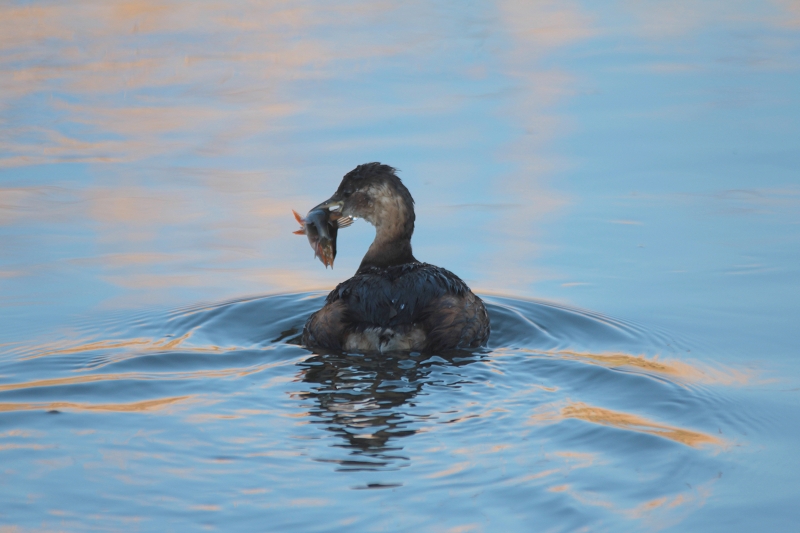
point(393, 302)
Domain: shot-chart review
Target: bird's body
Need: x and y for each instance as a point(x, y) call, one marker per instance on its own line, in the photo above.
point(393, 302)
point(409, 307)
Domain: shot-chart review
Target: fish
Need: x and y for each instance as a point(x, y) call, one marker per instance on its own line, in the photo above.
point(321, 226)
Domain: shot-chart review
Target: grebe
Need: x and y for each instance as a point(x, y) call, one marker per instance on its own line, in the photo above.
point(393, 302)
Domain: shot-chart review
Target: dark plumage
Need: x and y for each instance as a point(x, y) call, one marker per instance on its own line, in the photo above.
point(393, 302)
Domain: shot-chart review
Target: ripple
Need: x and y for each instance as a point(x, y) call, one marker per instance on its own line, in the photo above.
point(625, 421)
point(575, 400)
point(149, 405)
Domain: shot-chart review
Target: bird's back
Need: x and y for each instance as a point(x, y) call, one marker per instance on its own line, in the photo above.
point(413, 306)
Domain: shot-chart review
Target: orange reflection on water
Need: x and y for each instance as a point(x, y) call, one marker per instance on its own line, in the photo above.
point(657, 513)
point(698, 496)
point(791, 18)
point(455, 469)
point(139, 344)
point(143, 406)
point(105, 54)
point(606, 417)
point(136, 346)
point(202, 418)
point(140, 235)
point(92, 378)
point(625, 421)
point(565, 463)
point(21, 433)
point(4, 447)
point(205, 507)
point(673, 368)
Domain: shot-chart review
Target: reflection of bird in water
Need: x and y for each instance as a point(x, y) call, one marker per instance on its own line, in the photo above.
point(362, 399)
point(394, 302)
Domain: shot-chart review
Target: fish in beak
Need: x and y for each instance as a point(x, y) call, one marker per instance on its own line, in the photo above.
point(321, 225)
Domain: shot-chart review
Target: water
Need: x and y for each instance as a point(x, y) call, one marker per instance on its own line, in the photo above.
point(619, 182)
point(214, 416)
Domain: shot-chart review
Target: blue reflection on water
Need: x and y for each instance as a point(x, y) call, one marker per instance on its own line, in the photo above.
point(636, 159)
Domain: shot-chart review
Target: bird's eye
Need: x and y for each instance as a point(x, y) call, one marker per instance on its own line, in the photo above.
point(347, 193)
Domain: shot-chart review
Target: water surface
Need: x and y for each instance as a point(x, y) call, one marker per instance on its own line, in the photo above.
point(214, 416)
point(620, 183)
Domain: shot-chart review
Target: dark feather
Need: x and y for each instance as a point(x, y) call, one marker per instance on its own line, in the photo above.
point(396, 297)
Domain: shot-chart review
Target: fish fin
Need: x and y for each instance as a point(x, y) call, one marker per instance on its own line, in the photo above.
point(345, 221)
point(301, 231)
point(300, 220)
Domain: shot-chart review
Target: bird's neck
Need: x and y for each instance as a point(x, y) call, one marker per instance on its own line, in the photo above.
point(393, 230)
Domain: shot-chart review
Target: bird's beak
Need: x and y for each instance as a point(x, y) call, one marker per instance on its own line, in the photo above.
point(332, 204)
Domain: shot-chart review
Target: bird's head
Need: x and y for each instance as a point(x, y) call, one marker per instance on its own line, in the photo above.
point(373, 191)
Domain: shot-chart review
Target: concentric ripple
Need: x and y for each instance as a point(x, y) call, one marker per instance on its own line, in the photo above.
point(215, 414)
